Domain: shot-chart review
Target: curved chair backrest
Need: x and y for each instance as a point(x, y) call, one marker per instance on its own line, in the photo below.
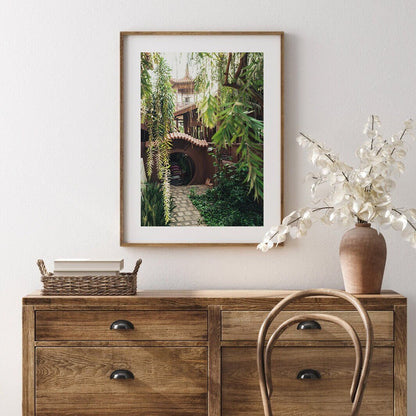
point(264, 351)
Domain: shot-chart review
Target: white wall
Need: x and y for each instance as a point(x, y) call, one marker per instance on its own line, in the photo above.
point(59, 132)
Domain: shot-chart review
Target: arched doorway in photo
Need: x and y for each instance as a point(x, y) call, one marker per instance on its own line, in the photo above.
point(190, 163)
point(182, 169)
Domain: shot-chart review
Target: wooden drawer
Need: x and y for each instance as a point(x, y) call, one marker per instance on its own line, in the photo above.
point(245, 325)
point(168, 381)
point(328, 395)
point(95, 325)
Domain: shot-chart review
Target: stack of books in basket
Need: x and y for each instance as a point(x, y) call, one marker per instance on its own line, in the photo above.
point(87, 267)
point(85, 277)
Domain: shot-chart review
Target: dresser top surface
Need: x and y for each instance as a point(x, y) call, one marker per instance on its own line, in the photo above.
point(203, 298)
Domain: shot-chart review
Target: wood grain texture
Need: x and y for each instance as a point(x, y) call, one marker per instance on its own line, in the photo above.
point(122, 138)
point(362, 361)
point(244, 325)
point(76, 381)
point(28, 361)
point(282, 127)
point(326, 396)
point(123, 36)
point(95, 325)
point(201, 299)
point(400, 360)
point(307, 343)
point(200, 33)
point(173, 376)
point(122, 343)
point(214, 351)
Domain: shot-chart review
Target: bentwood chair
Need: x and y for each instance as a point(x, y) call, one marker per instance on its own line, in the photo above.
point(264, 350)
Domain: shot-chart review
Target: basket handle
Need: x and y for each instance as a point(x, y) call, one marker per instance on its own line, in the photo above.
point(42, 267)
point(137, 266)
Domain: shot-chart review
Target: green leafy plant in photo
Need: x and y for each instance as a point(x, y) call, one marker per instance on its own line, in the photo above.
point(159, 106)
point(230, 202)
point(231, 98)
point(152, 208)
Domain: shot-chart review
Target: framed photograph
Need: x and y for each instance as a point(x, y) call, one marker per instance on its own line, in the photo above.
point(201, 126)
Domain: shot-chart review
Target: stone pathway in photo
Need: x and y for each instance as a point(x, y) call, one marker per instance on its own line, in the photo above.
point(185, 213)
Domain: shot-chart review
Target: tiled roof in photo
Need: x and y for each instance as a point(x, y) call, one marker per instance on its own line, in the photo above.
point(188, 138)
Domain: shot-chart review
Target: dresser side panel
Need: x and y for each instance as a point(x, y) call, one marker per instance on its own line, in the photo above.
point(400, 361)
point(28, 361)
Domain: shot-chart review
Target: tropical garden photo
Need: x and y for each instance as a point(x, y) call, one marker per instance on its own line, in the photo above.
point(201, 139)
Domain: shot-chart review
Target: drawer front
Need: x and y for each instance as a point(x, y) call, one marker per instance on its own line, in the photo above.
point(95, 325)
point(245, 325)
point(76, 381)
point(328, 395)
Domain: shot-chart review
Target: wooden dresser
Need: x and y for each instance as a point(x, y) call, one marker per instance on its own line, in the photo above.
point(193, 353)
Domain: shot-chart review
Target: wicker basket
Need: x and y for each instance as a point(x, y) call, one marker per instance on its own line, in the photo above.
point(123, 284)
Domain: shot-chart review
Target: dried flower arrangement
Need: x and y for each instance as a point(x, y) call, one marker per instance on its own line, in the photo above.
point(360, 194)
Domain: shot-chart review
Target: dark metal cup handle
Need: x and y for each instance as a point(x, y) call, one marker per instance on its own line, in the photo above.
point(308, 375)
point(122, 375)
point(122, 324)
point(308, 325)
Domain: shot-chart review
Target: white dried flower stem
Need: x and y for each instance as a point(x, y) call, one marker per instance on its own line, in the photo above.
point(360, 194)
point(405, 216)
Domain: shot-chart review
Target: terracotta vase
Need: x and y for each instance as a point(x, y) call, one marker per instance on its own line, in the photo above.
point(363, 257)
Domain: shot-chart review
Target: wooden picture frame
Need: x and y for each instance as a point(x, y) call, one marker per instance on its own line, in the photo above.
point(134, 47)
